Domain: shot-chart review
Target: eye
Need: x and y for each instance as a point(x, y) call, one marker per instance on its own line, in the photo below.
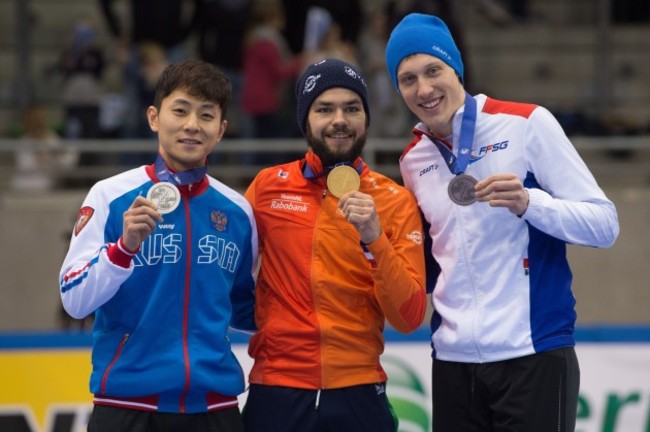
point(208, 116)
point(433, 71)
point(406, 80)
point(178, 111)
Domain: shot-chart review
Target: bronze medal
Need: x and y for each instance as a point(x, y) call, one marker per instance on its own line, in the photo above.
point(343, 179)
point(461, 189)
point(165, 196)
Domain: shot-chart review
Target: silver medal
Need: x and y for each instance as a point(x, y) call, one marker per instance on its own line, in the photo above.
point(165, 196)
point(461, 189)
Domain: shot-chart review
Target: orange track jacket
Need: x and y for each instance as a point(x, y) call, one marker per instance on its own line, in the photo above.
point(320, 302)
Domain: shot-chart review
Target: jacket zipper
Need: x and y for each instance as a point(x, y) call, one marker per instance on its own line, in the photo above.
point(186, 303)
point(324, 194)
point(118, 352)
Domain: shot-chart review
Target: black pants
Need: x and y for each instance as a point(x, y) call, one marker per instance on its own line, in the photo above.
point(112, 419)
point(537, 393)
point(363, 408)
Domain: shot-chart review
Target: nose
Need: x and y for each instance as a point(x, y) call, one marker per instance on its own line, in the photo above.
point(339, 117)
point(424, 88)
point(191, 122)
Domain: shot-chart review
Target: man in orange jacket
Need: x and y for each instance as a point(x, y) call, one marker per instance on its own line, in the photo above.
point(341, 252)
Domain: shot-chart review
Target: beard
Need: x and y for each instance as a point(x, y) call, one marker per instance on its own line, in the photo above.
point(329, 157)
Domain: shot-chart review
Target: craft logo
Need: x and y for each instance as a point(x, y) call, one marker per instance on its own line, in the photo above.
point(428, 169)
point(441, 51)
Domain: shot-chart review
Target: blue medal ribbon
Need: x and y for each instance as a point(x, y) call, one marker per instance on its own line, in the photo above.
point(180, 178)
point(458, 164)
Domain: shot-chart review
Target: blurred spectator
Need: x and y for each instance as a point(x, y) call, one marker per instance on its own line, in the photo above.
point(318, 21)
point(332, 30)
point(221, 26)
point(332, 45)
point(269, 69)
point(506, 11)
point(295, 23)
point(391, 115)
point(40, 154)
point(348, 14)
point(167, 23)
point(153, 60)
point(82, 65)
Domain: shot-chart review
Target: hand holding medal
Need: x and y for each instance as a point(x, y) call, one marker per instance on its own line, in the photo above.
point(358, 209)
point(503, 190)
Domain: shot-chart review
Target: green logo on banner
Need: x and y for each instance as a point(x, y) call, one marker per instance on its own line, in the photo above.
point(407, 395)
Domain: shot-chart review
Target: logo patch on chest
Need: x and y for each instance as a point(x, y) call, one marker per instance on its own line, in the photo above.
point(293, 203)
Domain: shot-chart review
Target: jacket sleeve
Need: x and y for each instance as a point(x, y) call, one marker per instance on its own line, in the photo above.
point(93, 269)
point(564, 199)
point(400, 271)
point(242, 295)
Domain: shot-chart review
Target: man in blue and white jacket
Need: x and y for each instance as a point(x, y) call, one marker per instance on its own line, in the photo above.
point(503, 191)
point(165, 288)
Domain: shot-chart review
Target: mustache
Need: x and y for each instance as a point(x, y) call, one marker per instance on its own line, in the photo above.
point(339, 129)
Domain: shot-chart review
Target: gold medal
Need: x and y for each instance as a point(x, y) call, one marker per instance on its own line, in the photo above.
point(165, 196)
point(343, 179)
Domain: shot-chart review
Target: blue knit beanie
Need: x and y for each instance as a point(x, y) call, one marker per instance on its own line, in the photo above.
point(421, 34)
point(325, 75)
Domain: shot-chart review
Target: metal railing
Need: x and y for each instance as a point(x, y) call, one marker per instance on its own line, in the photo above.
point(237, 161)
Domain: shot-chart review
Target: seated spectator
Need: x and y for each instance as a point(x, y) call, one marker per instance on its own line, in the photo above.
point(40, 154)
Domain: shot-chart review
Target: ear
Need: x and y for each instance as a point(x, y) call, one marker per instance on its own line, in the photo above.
point(152, 117)
point(222, 129)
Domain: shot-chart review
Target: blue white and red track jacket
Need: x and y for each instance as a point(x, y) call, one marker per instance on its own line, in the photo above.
point(162, 315)
point(504, 286)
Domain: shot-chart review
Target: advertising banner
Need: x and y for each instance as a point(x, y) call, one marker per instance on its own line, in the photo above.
point(44, 388)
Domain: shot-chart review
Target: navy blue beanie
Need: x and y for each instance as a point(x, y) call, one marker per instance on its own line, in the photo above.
point(419, 33)
point(325, 75)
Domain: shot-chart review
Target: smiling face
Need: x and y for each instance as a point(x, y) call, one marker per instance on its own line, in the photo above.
point(188, 129)
point(336, 126)
point(432, 91)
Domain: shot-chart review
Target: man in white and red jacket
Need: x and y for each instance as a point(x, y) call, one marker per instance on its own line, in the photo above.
point(503, 191)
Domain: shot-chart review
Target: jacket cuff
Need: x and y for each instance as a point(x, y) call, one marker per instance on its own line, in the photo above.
point(120, 255)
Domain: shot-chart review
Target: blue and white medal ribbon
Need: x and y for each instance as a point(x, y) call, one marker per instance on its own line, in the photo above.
point(461, 187)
